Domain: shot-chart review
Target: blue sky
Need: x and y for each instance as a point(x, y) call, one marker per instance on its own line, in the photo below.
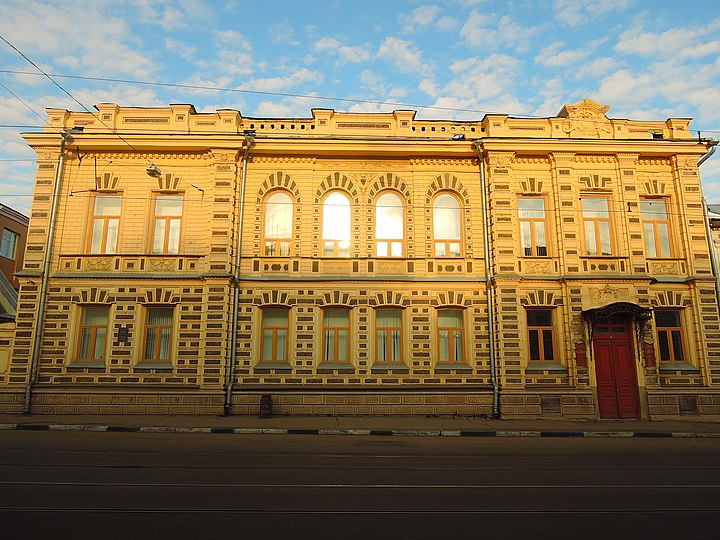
point(645, 59)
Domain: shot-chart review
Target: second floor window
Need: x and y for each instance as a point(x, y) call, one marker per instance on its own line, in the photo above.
point(596, 220)
point(389, 226)
point(388, 331)
point(336, 226)
point(8, 244)
point(446, 226)
point(336, 335)
point(275, 325)
point(656, 226)
point(450, 335)
point(278, 224)
point(93, 333)
point(166, 224)
point(540, 335)
point(533, 234)
point(105, 224)
point(668, 327)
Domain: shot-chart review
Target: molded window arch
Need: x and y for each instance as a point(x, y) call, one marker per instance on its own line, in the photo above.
point(277, 229)
point(389, 225)
point(336, 225)
point(447, 225)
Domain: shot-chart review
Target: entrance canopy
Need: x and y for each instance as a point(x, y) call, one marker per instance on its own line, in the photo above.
point(618, 308)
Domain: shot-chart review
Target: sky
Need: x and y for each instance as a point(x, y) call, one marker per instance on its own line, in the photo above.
point(451, 59)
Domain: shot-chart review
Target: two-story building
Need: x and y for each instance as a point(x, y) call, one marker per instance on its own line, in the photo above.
point(366, 264)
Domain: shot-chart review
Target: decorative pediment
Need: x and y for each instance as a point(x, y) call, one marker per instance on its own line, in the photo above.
point(106, 182)
point(670, 299)
point(335, 298)
point(389, 298)
point(450, 298)
point(168, 182)
point(586, 119)
point(655, 187)
point(532, 186)
point(596, 181)
point(158, 295)
point(539, 298)
point(274, 298)
point(92, 295)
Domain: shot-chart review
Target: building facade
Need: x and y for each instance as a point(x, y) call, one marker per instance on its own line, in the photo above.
point(14, 230)
point(186, 263)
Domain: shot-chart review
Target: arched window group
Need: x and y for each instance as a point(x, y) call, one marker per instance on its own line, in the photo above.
point(389, 225)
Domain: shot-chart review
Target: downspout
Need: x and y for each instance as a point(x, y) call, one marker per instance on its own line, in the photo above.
point(249, 143)
point(489, 281)
point(711, 245)
point(40, 321)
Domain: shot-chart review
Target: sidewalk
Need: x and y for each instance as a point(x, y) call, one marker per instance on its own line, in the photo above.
point(362, 425)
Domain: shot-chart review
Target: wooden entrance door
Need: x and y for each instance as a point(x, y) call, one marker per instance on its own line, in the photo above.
point(615, 368)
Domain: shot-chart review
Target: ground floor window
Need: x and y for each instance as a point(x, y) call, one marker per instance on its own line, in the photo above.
point(540, 335)
point(450, 335)
point(336, 335)
point(158, 333)
point(388, 331)
point(275, 325)
point(93, 333)
point(668, 327)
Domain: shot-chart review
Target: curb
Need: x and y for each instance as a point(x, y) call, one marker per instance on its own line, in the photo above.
point(359, 432)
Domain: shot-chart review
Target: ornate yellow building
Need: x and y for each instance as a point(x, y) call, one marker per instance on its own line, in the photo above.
point(189, 263)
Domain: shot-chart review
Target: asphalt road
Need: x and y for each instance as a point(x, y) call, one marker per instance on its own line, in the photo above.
point(134, 485)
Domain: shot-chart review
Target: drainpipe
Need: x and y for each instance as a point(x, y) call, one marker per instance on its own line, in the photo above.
point(713, 251)
point(35, 364)
point(249, 143)
point(489, 279)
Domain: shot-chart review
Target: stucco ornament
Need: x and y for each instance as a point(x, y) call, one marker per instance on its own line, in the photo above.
point(586, 119)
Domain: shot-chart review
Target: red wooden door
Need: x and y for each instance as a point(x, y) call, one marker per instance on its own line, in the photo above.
point(615, 368)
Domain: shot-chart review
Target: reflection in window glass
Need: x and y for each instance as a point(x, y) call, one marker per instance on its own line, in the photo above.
point(450, 335)
point(336, 332)
point(105, 224)
point(389, 225)
point(532, 227)
point(446, 226)
point(166, 230)
point(278, 224)
point(336, 225)
point(275, 324)
point(596, 217)
point(388, 329)
point(656, 226)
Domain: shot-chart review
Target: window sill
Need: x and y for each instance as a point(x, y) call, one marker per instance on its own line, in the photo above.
point(337, 366)
point(545, 366)
point(453, 366)
point(389, 366)
point(97, 364)
point(282, 366)
point(677, 366)
point(149, 364)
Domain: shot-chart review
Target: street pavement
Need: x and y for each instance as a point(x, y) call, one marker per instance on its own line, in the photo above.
point(362, 425)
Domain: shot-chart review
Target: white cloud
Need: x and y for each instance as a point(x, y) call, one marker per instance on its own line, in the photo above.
point(447, 24)
point(418, 18)
point(345, 53)
point(282, 33)
point(85, 36)
point(683, 42)
point(555, 56)
point(178, 47)
point(579, 12)
point(404, 55)
point(291, 107)
point(280, 84)
point(492, 33)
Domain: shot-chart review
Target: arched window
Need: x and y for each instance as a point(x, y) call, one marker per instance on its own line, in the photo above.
point(389, 226)
point(336, 225)
point(446, 226)
point(278, 224)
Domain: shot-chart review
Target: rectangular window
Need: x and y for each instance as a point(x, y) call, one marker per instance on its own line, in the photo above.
point(8, 245)
point(388, 331)
point(275, 324)
point(669, 335)
point(105, 223)
point(93, 333)
point(596, 219)
point(450, 335)
point(336, 334)
point(533, 234)
point(540, 335)
point(166, 224)
point(656, 226)
point(158, 333)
